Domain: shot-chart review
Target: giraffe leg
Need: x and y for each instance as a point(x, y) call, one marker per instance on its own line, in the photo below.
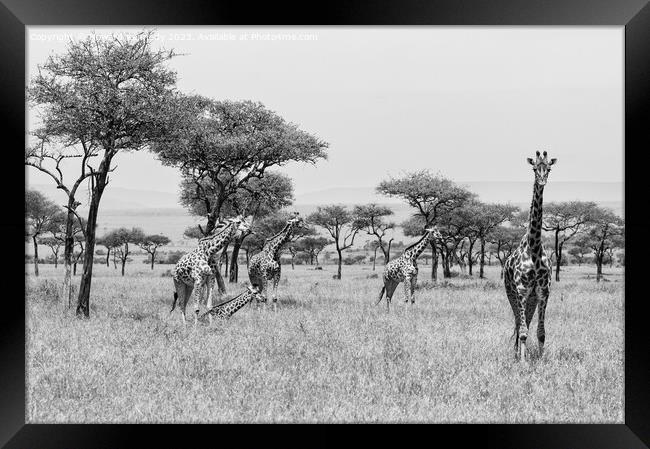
point(413, 283)
point(542, 294)
point(407, 289)
point(187, 292)
point(209, 290)
point(276, 281)
point(522, 294)
point(391, 285)
point(198, 290)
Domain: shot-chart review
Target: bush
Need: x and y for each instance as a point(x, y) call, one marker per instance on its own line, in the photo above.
point(351, 260)
point(172, 257)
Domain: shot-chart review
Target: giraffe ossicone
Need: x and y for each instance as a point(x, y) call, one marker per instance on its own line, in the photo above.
point(527, 271)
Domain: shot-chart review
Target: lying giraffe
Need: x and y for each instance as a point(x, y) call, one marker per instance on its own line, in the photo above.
point(265, 265)
point(527, 272)
point(226, 309)
point(193, 273)
point(405, 268)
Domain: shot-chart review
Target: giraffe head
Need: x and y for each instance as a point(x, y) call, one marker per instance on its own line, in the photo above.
point(257, 295)
point(541, 167)
point(296, 220)
point(435, 234)
point(239, 224)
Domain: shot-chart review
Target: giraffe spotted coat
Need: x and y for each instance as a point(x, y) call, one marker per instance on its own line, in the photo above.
point(527, 272)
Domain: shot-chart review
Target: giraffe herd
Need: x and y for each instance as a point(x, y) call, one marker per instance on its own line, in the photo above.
point(527, 272)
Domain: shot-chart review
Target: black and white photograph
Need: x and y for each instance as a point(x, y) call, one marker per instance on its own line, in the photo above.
point(321, 224)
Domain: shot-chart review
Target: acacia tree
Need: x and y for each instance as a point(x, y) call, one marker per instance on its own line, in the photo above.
point(505, 239)
point(565, 220)
point(370, 218)
point(606, 232)
point(109, 242)
point(41, 215)
point(55, 246)
point(339, 222)
point(151, 243)
point(486, 218)
point(431, 195)
point(105, 94)
point(121, 238)
point(312, 246)
point(580, 249)
point(372, 245)
point(220, 146)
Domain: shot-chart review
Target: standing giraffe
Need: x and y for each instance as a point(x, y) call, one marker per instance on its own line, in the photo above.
point(265, 265)
point(405, 268)
point(193, 272)
point(527, 273)
point(226, 309)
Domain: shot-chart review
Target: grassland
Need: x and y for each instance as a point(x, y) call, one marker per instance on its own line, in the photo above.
point(327, 355)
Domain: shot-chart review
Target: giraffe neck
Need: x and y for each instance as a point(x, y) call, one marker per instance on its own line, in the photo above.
point(211, 245)
point(534, 235)
point(275, 244)
point(414, 252)
point(236, 303)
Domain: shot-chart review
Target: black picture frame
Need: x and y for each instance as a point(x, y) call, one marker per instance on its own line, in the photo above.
point(634, 15)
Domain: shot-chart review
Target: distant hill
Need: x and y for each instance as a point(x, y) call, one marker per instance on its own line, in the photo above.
point(159, 212)
point(489, 191)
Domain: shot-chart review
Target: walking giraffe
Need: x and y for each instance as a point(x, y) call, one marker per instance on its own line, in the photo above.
point(527, 273)
point(405, 268)
point(226, 309)
point(192, 273)
point(265, 265)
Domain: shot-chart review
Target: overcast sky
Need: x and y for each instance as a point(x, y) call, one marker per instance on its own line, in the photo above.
point(469, 102)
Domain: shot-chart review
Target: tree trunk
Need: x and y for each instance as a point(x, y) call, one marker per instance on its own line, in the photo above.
point(557, 255)
point(340, 262)
point(126, 255)
point(558, 263)
point(114, 261)
point(35, 255)
point(482, 264)
point(234, 266)
point(434, 262)
point(56, 259)
point(123, 265)
point(599, 268)
point(443, 256)
point(293, 267)
point(74, 268)
point(374, 259)
point(83, 301)
point(108, 253)
point(152, 258)
point(470, 261)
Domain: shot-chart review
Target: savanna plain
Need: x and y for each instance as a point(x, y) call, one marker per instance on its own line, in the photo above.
point(327, 355)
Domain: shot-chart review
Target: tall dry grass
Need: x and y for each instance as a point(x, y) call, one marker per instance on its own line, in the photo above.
point(327, 355)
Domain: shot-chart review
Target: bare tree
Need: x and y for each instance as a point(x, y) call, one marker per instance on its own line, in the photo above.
point(105, 95)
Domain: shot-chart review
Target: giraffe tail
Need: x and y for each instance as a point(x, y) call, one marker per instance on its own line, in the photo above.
point(381, 294)
point(174, 303)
